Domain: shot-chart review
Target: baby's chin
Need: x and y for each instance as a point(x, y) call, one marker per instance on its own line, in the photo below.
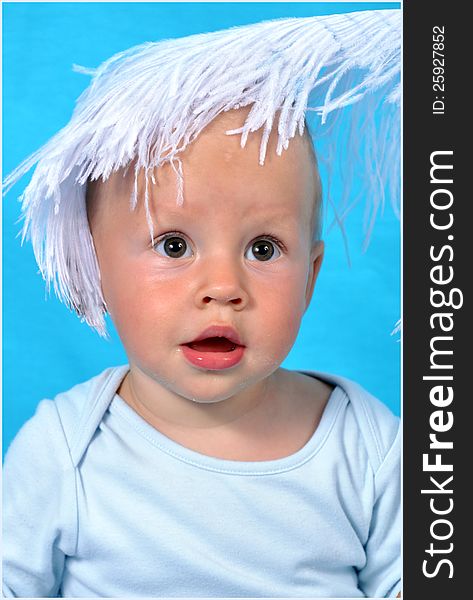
point(213, 396)
point(215, 390)
point(207, 400)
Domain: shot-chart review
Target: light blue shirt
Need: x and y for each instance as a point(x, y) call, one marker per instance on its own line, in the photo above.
point(98, 503)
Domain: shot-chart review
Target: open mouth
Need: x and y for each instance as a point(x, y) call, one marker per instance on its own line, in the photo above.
point(215, 349)
point(213, 344)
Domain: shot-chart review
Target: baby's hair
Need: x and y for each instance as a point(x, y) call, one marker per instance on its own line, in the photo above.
point(316, 222)
point(145, 105)
point(92, 192)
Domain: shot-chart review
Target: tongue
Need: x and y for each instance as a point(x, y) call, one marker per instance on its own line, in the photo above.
point(215, 344)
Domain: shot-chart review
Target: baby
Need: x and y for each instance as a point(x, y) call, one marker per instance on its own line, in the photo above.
point(203, 468)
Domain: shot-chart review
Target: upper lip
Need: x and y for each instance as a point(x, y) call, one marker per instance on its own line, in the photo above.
point(223, 331)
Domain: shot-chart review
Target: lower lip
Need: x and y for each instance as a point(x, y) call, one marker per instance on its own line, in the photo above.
point(215, 361)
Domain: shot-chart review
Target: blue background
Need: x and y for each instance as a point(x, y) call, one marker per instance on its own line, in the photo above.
point(46, 349)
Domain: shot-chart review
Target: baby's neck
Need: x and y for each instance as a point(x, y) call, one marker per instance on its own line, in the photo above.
point(270, 420)
point(168, 409)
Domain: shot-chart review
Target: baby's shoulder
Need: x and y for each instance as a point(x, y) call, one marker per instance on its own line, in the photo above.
point(362, 418)
point(76, 405)
point(65, 424)
point(378, 426)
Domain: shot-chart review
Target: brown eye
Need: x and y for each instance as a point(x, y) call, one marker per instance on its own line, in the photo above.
point(262, 250)
point(173, 247)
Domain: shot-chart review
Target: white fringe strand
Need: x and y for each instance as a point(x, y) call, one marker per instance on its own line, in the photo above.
point(148, 103)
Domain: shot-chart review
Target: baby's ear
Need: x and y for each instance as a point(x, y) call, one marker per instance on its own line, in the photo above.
point(316, 257)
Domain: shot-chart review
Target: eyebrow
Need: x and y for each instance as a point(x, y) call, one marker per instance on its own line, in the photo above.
point(273, 218)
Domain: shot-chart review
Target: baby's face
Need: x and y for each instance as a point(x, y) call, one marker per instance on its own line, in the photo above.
point(235, 265)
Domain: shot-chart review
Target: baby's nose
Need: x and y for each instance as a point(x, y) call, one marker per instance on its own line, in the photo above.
point(223, 285)
point(219, 296)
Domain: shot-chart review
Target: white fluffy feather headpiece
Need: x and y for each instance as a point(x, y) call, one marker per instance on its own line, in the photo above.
point(148, 103)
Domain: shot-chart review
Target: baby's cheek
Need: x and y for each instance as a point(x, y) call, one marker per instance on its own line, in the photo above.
point(285, 296)
point(138, 312)
point(282, 316)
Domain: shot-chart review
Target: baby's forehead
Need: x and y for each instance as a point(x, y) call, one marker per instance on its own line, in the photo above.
point(240, 210)
point(219, 174)
point(248, 199)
